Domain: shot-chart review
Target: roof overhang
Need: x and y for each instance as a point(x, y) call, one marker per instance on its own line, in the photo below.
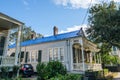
point(7, 22)
point(88, 45)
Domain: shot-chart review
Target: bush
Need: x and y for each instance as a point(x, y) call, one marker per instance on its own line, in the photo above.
point(68, 77)
point(50, 70)
point(54, 68)
point(4, 71)
point(41, 70)
point(15, 70)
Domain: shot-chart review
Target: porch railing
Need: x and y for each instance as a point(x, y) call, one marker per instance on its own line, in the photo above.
point(7, 61)
point(88, 66)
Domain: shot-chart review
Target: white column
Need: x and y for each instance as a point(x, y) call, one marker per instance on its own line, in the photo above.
point(82, 49)
point(100, 57)
point(71, 52)
point(94, 58)
point(91, 57)
point(18, 45)
point(6, 43)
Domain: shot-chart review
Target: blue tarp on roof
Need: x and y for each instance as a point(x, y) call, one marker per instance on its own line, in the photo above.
point(49, 39)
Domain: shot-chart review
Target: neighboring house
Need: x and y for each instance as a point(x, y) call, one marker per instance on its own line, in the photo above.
point(115, 51)
point(72, 49)
point(6, 24)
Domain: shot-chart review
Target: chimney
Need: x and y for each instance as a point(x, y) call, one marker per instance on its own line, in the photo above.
point(33, 36)
point(55, 30)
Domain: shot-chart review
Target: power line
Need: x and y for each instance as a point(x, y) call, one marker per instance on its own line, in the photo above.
point(86, 12)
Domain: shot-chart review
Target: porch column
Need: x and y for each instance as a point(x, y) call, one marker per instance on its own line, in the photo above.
point(94, 57)
point(100, 57)
point(82, 49)
point(91, 57)
point(17, 51)
point(98, 60)
point(6, 43)
point(71, 52)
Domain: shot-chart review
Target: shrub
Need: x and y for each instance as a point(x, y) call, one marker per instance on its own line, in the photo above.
point(41, 70)
point(54, 68)
point(4, 71)
point(68, 77)
point(15, 70)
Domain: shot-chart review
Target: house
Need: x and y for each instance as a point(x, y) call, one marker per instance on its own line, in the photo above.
point(115, 51)
point(72, 49)
point(8, 23)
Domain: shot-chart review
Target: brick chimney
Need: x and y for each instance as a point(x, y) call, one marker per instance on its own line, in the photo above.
point(55, 30)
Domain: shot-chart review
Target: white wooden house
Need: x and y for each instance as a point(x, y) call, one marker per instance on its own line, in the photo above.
point(6, 24)
point(72, 49)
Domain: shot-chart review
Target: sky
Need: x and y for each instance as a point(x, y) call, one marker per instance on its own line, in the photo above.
point(43, 15)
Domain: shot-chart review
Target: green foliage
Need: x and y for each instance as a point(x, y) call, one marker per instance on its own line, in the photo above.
point(27, 34)
point(68, 77)
point(104, 21)
point(42, 72)
point(15, 70)
point(54, 68)
point(4, 71)
point(105, 71)
point(49, 70)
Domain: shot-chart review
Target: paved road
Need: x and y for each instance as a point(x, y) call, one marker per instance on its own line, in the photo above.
point(117, 77)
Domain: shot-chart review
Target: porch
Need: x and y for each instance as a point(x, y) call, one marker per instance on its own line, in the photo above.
point(6, 25)
point(7, 61)
point(85, 56)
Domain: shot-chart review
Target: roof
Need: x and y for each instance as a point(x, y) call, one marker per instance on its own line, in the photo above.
point(10, 19)
point(50, 38)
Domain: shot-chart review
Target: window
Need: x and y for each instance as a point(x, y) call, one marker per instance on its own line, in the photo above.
point(39, 55)
point(50, 54)
point(12, 55)
point(61, 54)
point(56, 54)
point(32, 57)
point(29, 54)
point(26, 57)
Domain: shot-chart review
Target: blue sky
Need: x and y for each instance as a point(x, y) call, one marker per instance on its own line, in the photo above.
point(43, 15)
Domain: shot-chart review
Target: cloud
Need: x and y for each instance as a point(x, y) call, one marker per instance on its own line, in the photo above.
point(76, 4)
point(117, 0)
point(25, 2)
point(75, 27)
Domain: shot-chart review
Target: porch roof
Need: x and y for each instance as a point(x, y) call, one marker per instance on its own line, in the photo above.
point(7, 22)
point(88, 45)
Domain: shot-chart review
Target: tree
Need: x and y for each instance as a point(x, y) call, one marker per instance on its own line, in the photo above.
point(104, 21)
point(27, 34)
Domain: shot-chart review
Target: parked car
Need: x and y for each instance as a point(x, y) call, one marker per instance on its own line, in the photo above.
point(26, 70)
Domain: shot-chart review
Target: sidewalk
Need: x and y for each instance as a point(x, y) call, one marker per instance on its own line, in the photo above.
point(117, 77)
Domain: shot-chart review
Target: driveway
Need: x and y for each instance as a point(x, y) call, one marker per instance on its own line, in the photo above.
point(117, 77)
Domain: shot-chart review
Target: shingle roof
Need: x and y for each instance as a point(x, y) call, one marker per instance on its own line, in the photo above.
point(50, 38)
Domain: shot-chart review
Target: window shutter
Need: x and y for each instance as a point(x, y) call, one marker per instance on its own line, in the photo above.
point(39, 55)
point(2, 42)
point(26, 57)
